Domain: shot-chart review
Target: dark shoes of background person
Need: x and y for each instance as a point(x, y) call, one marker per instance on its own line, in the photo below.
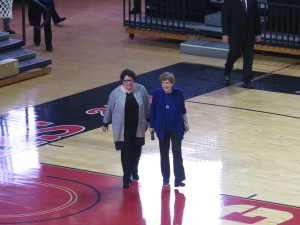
point(60, 20)
point(227, 77)
point(50, 49)
point(10, 31)
point(247, 84)
point(227, 73)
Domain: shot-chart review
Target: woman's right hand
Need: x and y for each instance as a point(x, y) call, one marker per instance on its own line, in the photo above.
point(151, 130)
point(104, 129)
point(225, 39)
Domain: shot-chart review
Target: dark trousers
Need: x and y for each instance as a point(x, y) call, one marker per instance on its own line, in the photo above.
point(35, 14)
point(130, 157)
point(6, 24)
point(54, 15)
point(164, 146)
point(236, 48)
point(50, 5)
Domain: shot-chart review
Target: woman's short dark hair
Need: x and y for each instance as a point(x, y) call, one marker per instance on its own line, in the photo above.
point(129, 73)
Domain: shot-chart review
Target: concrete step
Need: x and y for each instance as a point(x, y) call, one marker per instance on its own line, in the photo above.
point(204, 48)
point(18, 53)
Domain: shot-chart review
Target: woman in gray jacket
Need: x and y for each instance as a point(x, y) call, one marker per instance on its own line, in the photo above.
point(128, 112)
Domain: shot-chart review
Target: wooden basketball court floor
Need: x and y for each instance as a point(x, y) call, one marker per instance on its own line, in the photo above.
point(241, 155)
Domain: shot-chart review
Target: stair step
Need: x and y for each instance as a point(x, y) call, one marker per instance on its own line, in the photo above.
point(18, 53)
point(4, 36)
point(10, 43)
point(204, 48)
point(38, 62)
point(29, 65)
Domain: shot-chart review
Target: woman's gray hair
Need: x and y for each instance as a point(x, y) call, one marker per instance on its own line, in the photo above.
point(167, 76)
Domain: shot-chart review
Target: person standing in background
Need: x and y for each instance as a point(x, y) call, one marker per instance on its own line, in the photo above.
point(168, 119)
point(128, 112)
point(35, 13)
point(6, 15)
point(241, 27)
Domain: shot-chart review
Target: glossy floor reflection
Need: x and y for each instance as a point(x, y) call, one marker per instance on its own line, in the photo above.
point(50, 194)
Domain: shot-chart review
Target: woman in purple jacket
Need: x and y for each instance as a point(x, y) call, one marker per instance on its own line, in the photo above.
point(168, 118)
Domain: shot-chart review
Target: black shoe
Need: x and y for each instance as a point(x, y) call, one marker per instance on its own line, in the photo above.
point(247, 84)
point(10, 31)
point(179, 184)
point(135, 177)
point(126, 185)
point(227, 77)
point(36, 44)
point(60, 20)
point(49, 49)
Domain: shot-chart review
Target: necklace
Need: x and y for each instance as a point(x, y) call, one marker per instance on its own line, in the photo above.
point(168, 100)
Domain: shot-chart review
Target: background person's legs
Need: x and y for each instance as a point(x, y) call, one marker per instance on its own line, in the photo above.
point(54, 15)
point(6, 26)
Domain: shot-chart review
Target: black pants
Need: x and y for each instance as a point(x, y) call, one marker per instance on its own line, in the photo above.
point(35, 14)
point(130, 157)
point(236, 48)
point(164, 147)
point(6, 24)
point(54, 15)
point(31, 11)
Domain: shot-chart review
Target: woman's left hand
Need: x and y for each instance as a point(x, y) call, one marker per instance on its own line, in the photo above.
point(104, 129)
point(186, 122)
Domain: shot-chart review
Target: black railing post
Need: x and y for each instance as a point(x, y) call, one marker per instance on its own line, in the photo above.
point(23, 23)
point(124, 8)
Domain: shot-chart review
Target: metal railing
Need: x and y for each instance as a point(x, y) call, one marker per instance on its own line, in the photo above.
point(280, 22)
point(280, 25)
point(157, 15)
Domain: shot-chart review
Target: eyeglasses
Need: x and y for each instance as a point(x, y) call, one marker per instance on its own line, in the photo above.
point(128, 81)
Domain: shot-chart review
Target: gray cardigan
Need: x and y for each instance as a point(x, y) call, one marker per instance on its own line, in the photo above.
point(115, 113)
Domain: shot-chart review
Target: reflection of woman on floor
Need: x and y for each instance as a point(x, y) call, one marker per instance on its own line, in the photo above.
point(169, 121)
point(128, 112)
point(179, 205)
